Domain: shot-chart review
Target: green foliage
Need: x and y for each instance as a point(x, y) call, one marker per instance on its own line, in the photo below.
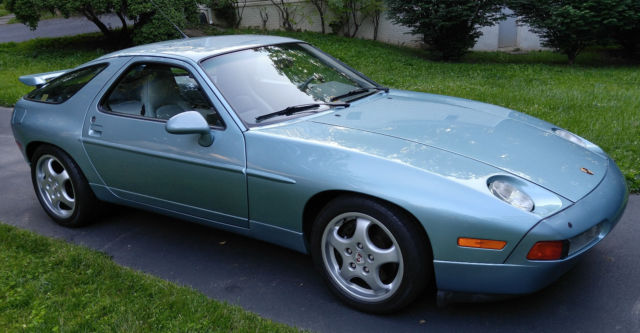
point(450, 27)
point(350, 14)
point(48, 285)
point(224, 10)
point(3, 11)
point(42, 55)
point(150, 19)
point(228, 11)
point(287, 12)
point(152, 24)
point(570, 26)
point(623, 25)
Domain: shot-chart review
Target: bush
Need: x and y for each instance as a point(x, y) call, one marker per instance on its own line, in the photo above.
point(624, 26)
point(228, 11)
point(450, 27)
point(569, 26)
point(350, 14)
point(150, 19)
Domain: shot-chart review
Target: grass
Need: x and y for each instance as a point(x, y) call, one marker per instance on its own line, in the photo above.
point(45, 15)
point(598, 98)
point(42, 55)
point(48, 285)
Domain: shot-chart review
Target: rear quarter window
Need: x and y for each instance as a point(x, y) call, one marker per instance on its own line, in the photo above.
point(65, 86)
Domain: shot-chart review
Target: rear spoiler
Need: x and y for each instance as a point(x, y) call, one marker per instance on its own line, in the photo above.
point(38, 80)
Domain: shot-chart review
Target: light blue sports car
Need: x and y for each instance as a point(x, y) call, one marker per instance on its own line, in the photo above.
point(389, 191)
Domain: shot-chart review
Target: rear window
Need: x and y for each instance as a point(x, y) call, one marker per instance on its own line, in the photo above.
point(65, 86)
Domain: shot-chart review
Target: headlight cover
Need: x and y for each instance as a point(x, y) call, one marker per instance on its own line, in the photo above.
point(570, 137)
point(511, 194)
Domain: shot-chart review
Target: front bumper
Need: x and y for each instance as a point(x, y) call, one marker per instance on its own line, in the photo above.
point(603, 207)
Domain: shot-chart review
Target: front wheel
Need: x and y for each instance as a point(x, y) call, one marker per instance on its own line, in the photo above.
point(373, 256)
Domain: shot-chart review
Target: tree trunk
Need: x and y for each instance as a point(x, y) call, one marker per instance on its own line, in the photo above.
point(322, 23)
point(318, 6)
point(376, 24)
point(91, 16)
point(572, 54)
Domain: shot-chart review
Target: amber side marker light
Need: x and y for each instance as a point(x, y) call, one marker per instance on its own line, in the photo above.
point(548, 250)
point(481, 243)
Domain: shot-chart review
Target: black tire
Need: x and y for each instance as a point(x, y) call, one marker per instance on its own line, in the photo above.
point(365, 230)
point(61, 188)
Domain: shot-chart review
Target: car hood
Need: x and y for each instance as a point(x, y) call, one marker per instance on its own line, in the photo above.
point(511, 141)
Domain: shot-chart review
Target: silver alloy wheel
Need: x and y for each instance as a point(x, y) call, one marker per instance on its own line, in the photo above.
point(362, 257)
point(55, 187)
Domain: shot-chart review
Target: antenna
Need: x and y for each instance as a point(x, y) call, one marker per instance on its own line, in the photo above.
point(167, 18)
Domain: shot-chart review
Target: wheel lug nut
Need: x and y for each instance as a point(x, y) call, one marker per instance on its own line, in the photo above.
point(366, 269)
point(352, 265)
point(370, 257)
point(359, 245)
point(349, 251)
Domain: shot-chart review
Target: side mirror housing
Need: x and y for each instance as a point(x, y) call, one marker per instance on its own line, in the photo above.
point(190, 122)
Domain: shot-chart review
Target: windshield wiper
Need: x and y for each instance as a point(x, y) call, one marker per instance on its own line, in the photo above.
point(297, 108)
point(358, 91)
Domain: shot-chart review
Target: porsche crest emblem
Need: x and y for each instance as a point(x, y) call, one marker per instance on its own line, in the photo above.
point(587, 171)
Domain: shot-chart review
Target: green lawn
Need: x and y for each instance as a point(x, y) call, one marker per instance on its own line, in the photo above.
point(41, 55)
point(3, 10)
point(48, 285)
point(599, 98)
point(45, 15)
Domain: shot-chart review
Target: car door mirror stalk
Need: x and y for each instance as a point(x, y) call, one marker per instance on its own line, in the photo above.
point(191, 122)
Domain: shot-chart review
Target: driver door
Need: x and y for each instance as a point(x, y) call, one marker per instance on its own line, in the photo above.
point(138, 160)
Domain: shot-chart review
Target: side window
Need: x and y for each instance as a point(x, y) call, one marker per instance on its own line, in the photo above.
point(65, 86)
point(159, 91)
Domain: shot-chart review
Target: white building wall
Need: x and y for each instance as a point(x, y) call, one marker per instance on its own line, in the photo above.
point(305, 17)
point(528, 40)
point(489, 39)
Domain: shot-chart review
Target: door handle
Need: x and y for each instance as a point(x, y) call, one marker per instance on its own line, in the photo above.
point(95, 130)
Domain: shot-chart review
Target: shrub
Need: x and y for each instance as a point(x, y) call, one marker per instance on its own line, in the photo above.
point(350, 14)
point(450, 27)
point(287, 12)
point(228, 11)
point(624, 26)
point(569, 26)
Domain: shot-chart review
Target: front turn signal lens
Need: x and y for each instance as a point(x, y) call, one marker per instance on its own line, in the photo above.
point(548, 250)
point(481, 243)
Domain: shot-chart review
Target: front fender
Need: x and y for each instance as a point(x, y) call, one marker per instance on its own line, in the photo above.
point(447, 193)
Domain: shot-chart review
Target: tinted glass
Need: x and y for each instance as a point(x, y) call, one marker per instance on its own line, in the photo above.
point(159, 91)
point(267, 79)
point(66, 85)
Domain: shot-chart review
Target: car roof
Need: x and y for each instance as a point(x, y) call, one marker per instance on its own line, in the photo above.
point(199, 48)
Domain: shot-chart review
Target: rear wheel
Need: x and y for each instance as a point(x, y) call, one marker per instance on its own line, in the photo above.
point(61, 188)
point(373, 256)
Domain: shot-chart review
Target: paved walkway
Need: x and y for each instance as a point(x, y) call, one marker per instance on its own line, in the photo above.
point(57, 27)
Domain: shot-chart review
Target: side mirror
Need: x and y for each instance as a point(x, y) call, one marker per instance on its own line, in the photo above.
point(190, 122)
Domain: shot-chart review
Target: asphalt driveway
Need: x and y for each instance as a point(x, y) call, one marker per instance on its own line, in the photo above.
point(601, 294)
point(56, 27)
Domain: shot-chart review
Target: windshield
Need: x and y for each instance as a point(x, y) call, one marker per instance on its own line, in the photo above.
point(268, 79)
